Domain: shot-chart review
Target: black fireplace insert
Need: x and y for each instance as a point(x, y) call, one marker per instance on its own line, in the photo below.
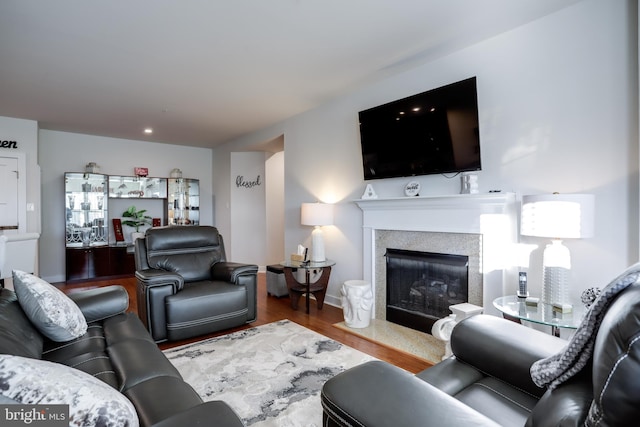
point(422, 285)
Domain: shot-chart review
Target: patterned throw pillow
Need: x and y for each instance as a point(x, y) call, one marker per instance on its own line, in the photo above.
point(49, 309)
point(91, 401)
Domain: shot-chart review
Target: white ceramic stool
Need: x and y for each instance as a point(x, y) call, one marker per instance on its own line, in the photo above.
point(443, 327)
point(357, 302)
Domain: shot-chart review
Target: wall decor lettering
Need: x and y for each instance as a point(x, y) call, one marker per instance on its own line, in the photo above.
point(8, 144)
point(240, 182)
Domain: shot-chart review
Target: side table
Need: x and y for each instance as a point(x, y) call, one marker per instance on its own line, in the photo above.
point(317, 288)
point(514, 308)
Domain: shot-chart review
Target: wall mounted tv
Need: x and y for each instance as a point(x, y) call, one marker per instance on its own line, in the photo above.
point(433, 132)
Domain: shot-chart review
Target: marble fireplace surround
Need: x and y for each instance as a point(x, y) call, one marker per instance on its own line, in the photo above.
point(468, 244)
point(481, 226)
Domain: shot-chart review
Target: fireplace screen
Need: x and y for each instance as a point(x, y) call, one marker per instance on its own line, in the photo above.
point(422, 285)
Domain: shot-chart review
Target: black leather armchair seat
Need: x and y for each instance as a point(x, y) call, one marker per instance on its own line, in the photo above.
point(487, 381)
point(187, 288)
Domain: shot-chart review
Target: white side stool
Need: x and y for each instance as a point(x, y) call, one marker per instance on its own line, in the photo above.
point(443, 327)
point(357, 302)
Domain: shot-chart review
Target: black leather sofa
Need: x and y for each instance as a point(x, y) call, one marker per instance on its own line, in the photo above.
point(186, 287)
point(487, 381)
point(118, 350)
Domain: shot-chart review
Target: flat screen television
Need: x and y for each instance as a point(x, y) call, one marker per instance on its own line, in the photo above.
point(433, 132)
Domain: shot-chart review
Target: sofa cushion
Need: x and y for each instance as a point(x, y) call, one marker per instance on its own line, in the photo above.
point(54, 314)
point(17, 334)
point(92, 402)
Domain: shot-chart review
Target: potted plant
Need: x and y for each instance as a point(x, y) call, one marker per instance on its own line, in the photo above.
point(137, 220)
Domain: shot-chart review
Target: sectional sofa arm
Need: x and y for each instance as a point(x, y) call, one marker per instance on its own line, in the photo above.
point(101, 303)
point(216, 412)
point(503, 349)
point(230, 271)
point(152, 277)
point(377, 394)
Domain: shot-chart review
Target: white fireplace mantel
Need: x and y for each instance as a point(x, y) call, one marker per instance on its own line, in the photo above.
point(493, 215)
point(458, 213)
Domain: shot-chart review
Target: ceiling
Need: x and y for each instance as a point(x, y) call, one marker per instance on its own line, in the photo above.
point(201, 72)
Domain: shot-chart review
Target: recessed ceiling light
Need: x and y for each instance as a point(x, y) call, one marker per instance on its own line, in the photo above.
point(148, 130)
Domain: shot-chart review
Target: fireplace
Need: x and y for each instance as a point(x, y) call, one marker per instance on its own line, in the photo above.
point(480, 226)
point(422, 285)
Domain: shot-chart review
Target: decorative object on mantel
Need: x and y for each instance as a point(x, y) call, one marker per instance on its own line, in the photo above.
point(369, 193)
point(141, 172)
point(557, 216)
point(92, 167)
point(469, 183)
point(412, 189)
point(316, 215)
point(175, 173)
point(138, 219)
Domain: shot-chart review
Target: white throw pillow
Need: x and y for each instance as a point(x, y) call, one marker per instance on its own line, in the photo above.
point(91, 401)
point(54, 314)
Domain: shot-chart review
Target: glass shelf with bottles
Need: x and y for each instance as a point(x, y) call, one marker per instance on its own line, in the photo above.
point(137, 187)
point(184, 201)
point(86, 209)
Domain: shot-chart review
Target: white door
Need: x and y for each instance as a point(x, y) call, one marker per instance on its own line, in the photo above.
point(8, 192)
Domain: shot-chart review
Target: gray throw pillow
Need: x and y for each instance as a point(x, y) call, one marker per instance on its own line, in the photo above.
point(54, 314)
point(91, 401)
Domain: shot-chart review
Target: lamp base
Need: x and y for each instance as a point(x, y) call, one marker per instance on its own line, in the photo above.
point(557, 271)
point(317, 245)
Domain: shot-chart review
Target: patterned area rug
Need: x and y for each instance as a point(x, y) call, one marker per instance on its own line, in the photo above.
point(271, 375)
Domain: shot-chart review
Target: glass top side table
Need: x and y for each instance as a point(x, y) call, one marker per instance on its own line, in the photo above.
point(318, 288)
point(515, 308)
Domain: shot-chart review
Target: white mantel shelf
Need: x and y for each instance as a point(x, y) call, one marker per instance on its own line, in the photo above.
point(458, 201)
point(459, 213)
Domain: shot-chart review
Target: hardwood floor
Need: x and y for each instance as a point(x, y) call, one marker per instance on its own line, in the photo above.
point(271, 309)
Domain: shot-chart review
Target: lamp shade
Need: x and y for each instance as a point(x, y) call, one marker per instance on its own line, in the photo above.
point(316, 214)
point(558, 216)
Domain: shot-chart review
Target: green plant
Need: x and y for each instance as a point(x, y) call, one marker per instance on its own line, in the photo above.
point(138, 218)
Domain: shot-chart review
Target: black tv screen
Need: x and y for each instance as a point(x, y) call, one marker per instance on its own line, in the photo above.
point(433, 132)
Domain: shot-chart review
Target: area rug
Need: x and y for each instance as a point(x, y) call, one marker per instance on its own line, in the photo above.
point(271, 375)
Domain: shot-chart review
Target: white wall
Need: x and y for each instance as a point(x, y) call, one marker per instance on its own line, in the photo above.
point(248, 206)
point(61, 152)
point(25, 133)
point(274, 180)
point(558, 112)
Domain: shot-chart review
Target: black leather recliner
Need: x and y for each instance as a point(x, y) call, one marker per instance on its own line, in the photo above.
point(187, 288)
point(487, 381)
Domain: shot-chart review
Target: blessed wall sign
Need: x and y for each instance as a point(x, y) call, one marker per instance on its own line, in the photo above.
point(242, 183)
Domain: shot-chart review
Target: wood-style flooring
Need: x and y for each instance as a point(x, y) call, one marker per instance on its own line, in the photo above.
point(271, 309)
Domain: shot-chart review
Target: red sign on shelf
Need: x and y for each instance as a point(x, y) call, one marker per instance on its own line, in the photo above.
point(141, 171)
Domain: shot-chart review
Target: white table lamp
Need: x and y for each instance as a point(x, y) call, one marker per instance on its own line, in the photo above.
point(316, 215)
point(557, 216)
